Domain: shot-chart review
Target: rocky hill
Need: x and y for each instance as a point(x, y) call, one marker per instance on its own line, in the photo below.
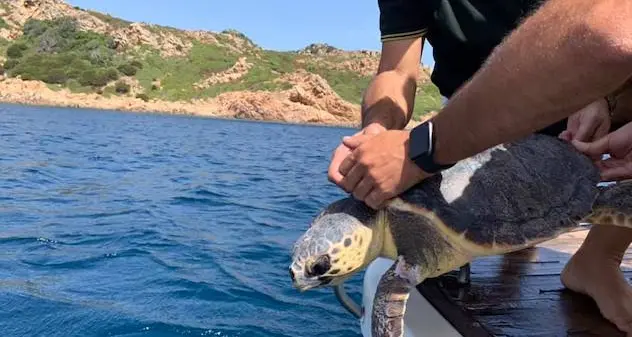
point(55, 54)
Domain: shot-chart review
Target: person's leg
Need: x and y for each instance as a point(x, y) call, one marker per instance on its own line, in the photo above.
point(594, 270)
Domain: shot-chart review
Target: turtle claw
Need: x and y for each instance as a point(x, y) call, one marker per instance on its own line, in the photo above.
point(464, 275)
point(389, 305)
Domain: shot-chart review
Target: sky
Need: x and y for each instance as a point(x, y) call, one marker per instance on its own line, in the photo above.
point(272, 24)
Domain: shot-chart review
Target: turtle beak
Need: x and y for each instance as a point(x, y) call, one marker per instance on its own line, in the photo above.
point(305, 284)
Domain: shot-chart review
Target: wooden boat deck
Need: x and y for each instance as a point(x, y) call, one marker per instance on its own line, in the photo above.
point(521, 295)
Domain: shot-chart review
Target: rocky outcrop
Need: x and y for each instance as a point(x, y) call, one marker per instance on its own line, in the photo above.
point(20, 11)
point(202, 36)
point(132, 35)
point(310, 100)
point(275, 107)
point(311, 90)
point(237, 71)
point(320, 49)
point(137, 34)
point(235, 41)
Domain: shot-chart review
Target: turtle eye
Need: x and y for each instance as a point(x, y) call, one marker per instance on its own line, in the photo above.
point(320, 266)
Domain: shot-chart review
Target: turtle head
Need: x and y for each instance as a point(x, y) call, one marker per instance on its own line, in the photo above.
point(342, 240)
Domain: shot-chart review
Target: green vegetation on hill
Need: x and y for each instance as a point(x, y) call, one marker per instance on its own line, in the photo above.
point(61, 55)
point(261, 76)
point(428, 99)
point(56, 52)
point(178, 74)
point(348, 84)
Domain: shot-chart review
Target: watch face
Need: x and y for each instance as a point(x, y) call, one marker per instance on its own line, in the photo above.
point(421, 149)
point(420, 141)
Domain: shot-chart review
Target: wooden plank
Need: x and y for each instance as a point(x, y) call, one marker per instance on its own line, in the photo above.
point(521, 295)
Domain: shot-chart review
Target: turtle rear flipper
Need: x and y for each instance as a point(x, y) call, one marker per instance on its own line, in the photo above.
point(391, 297)
point(613, 206)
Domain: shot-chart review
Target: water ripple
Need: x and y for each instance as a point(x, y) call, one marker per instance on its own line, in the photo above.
point(126, 224)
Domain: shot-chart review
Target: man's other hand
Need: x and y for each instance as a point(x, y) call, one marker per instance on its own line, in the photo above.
point(618, 144)
point(378, 167)
point(342, 151)
point(589, 123)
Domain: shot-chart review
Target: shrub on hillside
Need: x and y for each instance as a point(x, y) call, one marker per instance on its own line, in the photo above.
point(16, 50)
point(77, 66)
point(94, 78)
point(128, 69)
point(10, 64)
point(56, 76)
point(100, 55)
point(112, 74)
point(65, 26)
point(50, 42)
point(121, 87)
point(137, 64)
point(143, 96)
point(34, 28)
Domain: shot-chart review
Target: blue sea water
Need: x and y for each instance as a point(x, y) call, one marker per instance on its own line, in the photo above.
point(124, 224)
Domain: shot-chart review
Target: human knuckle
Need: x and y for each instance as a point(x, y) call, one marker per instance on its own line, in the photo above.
point(370, 164)
point(351, 157)
point(331, 170)
point(383, 186)
point(376, 195)
point(370, 179)
point(364, 163)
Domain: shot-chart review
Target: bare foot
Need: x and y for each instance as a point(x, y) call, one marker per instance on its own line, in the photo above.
point(598, 276)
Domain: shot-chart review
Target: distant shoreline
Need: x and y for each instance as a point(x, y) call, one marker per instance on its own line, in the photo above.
point(411, 124)
point(179, 114)
point(37, 94)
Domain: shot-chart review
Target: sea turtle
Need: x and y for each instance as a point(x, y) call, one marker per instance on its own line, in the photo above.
point(507, 198)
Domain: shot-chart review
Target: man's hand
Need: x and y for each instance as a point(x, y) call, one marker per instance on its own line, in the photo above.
point(343, 151)
point(378, 168)
point(589, 123)
point(618, 145)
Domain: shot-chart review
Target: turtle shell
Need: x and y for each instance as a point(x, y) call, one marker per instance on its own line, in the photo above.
point(511, 194)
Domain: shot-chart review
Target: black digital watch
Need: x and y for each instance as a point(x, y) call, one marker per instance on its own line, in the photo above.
point(421, 148)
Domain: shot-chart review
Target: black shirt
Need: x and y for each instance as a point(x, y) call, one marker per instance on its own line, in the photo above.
point(462, 33)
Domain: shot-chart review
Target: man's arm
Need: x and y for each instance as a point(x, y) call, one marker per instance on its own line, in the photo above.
point(566, 55)
point(389, 98)
point(388, 101)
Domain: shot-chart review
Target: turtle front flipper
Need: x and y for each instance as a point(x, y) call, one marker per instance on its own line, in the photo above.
point(391, 297)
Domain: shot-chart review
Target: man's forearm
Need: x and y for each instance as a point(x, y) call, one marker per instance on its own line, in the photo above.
point(389, 100)
point(565, 56)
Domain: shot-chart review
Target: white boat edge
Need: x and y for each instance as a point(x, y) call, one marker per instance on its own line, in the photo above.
point(421, 318)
